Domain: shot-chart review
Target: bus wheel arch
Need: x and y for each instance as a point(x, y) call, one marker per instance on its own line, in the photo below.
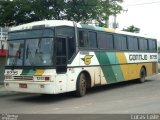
point(83, 82)
point(142, 75)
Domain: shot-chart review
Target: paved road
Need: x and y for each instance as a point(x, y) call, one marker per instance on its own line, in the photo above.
point(126, 97)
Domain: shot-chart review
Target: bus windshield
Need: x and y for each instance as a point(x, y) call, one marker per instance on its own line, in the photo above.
point(39, 52)
point(30, 51)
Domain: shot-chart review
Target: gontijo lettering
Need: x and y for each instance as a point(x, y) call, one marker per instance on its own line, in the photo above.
point(137, 57)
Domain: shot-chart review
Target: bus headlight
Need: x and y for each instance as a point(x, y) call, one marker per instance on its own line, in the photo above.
point(8, 77)
point(42, 78)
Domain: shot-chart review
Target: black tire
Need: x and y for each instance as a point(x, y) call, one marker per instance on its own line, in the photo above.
point(142, 76)
point(81, 85)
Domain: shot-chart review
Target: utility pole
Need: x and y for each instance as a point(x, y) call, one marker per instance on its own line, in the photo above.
point(115, 17)
point(115, 21)
point(115, 24)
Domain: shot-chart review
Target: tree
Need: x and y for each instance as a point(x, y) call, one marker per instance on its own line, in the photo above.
point(107, 8)
point(23, 11)
point(7, 13)
point(132, 28)
point(47, 9)
point(81, 10)
point(15, 12)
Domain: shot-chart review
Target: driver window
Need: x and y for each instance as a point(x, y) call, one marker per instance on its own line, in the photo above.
point(69, 33)
point(83, 39)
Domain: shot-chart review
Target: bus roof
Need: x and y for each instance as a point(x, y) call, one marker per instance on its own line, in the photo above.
point(44, 23)
point(53, 23)
point(111, 30)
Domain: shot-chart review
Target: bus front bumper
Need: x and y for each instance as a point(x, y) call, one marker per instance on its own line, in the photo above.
point(30, 87)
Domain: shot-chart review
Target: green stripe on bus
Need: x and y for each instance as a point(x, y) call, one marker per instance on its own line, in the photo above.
point(106, 59)
point(112, 72)
point(92, 27)
point(118, 72)
point(28, 72)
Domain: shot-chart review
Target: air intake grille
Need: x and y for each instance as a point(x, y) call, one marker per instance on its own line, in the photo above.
point(22, 78)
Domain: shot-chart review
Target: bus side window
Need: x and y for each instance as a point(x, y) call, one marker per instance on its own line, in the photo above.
point(92, 38)
point(132, 43)
point(152, 45)
point(69, 33)
point(143, 44)
point(120, 42)
point(105, 41)
point(83, 39)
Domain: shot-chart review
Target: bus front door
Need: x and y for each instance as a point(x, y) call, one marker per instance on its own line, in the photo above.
point(61, 55)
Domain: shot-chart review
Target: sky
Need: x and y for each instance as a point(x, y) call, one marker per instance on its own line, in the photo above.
point(144, 14)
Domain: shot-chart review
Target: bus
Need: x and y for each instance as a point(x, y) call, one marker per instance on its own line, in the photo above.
point(58, 56)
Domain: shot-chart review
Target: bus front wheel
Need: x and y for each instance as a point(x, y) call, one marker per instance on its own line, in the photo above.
point(142, 75)
point(81, 85)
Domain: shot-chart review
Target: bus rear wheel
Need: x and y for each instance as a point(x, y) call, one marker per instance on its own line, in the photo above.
point(142, 75)
point(81, 85)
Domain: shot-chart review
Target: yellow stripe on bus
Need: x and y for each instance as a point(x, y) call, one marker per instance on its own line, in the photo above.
point(122, 60)
point(39, 72)
point(132, 71)
point(109, 30)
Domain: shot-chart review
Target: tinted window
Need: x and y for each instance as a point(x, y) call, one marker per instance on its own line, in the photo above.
point(152, 45)
point(143, 44)
point(120, 42)
point(15, 55)
point(92, 38)
point(132, 43)
point(136, 44)
point(69, 33)
point(83, 38)
point(105, 41)
point(31, 34)
point(38, 52)
point(65, 31)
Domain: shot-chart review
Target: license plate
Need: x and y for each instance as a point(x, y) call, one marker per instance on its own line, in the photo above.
point(22, 85)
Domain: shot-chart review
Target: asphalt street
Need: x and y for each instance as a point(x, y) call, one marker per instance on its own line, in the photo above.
point(120, 98)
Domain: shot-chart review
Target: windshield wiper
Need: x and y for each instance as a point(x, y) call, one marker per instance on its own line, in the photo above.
point(27, 52)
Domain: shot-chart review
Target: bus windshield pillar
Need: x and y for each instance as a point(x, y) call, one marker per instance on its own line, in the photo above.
point(61, 55)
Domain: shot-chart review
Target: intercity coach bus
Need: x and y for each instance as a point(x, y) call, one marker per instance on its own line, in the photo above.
point(57, 56)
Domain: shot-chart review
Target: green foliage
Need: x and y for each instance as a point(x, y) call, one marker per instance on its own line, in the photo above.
point(81, 10)
point(107, 8)
point(132, 28)
point(23, 11)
